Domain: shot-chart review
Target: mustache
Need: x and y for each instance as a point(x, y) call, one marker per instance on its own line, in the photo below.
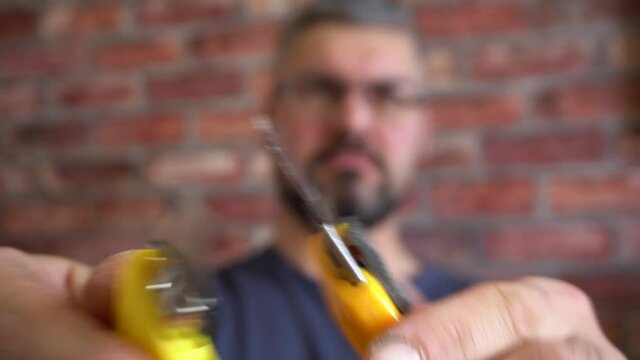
point(344, 144)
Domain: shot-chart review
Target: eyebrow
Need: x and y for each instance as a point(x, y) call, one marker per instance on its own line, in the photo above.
point(396, 79)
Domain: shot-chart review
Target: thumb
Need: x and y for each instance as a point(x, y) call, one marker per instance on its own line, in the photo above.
point(64, 325)
point(394, 345)
point(97, 295)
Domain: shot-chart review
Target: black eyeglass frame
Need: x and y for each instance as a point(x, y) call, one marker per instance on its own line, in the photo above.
point(334, 90)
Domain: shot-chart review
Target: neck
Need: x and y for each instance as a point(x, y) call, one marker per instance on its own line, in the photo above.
point(384, 237)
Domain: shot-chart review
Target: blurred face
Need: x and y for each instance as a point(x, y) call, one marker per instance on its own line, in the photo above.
point(347, 107)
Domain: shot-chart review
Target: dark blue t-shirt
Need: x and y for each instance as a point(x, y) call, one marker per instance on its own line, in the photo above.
point(271, 311)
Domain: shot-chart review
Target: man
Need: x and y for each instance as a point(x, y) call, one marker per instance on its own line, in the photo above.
point(347, 101)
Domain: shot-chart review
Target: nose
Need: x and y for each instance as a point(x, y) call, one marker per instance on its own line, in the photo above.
point(355, 114)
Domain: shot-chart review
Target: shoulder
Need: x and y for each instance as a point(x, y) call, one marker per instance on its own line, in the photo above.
point(259, 265)
point(265, 271)
point(438, 282)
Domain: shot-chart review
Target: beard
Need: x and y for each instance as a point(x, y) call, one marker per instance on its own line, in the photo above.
point(369, 209)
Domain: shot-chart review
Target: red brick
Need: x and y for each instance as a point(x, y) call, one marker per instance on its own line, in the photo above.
point(236, 42)
point(584, 242)
point(206, 168)
point(243, 208)
point(548, 13)
point(68, 134)
point(629, 147)
point(88, 247)
point(486, 198)
point(633, 334)
point(475, 111)
point(34, 243)
point(215, 125)
point(451, 151)
point(260, 83)
point(576, 101)
point(447, 158)
point(623, 51)
point(92, 94)
point(137, 212)
point(619, 290)
point(43, 218)
point(41, 60)
point(471, 19)
point(441, 67)
point(138, 54)
point(260, 169)
point(144, 130)
point(409, 205)
point(545, 149)
point(94, 174)
point(613, 10)
point(18, 99)
point(630, 240)
point(603, 193)
point(17, 23)
point(16, 179)
point(437, 246)
point(95, 247)
point(612, 325)
point(171, 12)
point(631, 94)
point(501, 60)
point(84, 19)
point(196, 85)
point(270, 8)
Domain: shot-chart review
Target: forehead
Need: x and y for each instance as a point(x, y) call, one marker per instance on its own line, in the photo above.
point(353, 52)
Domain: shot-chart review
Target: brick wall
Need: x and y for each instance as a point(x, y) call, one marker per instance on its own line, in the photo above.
point(111, 112)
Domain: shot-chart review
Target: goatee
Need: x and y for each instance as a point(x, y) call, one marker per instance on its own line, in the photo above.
point(344, 200)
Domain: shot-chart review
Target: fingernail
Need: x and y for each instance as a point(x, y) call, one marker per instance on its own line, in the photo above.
point(393, 347)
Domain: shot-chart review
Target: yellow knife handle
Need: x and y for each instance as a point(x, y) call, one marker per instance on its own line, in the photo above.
point(139, 316)
point(362, 311)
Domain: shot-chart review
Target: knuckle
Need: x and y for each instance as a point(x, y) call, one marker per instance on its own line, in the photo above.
point(558, 299)
point(450, 339)
point(12, 259)
point(516, 312)
point(120, 355)
point(7, 253)
point(462, 337)
point(576, 349)
point(577, 298)
point(568, 294)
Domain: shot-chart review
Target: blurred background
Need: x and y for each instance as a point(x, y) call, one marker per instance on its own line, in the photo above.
point(113, 113)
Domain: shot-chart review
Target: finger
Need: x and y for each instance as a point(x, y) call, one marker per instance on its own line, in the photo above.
point(92, 289)
point(394, 345)
point(37, 320)
point(72, 335)
point(66, 276)
point(60, 279)
point(571, 349)
point(491, 318)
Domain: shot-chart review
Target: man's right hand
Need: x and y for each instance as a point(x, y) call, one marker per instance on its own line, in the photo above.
point(56, 309)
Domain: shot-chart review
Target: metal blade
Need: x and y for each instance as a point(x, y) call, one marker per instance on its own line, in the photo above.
point(314, 202)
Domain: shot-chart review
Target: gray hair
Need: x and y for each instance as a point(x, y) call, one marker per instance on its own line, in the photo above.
point(379, 13)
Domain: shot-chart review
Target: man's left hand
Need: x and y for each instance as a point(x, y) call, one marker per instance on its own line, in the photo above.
point(533, 318)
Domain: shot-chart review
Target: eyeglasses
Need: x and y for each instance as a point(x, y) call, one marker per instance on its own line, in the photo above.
point(318, 95)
